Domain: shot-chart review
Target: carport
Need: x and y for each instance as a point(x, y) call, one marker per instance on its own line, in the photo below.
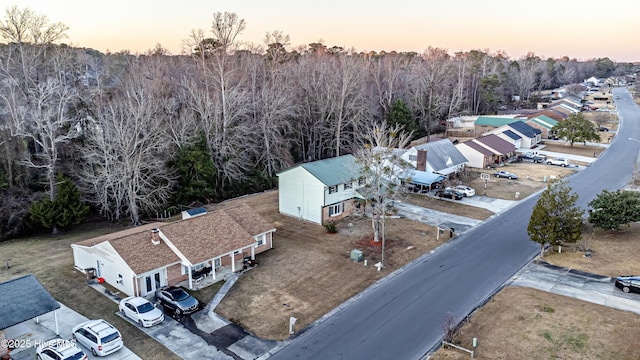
point(23, 299)
point(420, 181)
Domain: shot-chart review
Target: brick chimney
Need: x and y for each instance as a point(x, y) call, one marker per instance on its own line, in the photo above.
point(155, 236)
point(421, 162)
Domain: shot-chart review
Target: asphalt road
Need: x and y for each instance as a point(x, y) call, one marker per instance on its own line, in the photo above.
point(402, 316)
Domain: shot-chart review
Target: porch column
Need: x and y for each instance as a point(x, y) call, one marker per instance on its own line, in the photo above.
point(253, 252)
point(233, 262)
point(190, 277)
point(55, 316)
point(213, 268)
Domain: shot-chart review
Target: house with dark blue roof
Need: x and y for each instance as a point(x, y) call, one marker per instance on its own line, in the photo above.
point(529, 136)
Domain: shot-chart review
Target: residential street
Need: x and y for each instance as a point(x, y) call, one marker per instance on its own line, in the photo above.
point(401, 317)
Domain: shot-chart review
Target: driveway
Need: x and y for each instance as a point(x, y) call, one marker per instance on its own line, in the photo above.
point(576, 284)
point(34, 333)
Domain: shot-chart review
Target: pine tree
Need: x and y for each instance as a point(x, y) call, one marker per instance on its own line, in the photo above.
point(66, 210)
point(555, 219)
point(612, 209)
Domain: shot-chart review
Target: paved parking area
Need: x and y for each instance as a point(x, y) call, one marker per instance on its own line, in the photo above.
point(33, 333)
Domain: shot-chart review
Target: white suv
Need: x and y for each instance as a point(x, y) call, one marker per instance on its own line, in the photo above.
point(558, 161)
point(99, 336)
point(59, 349)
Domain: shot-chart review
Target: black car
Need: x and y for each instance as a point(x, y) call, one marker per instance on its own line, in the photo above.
point(449, 194)
point(177, 300)
point(628, 283)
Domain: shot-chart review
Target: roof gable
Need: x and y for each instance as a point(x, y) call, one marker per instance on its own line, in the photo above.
point(332, 171)
point(442, 154)
point(141, 255)
point(523, 128)
point(28, 299)
point(477, 147)
point(496, 143)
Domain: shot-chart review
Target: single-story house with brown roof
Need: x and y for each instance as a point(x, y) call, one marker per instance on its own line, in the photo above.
point(487, 151)
point(139, 260)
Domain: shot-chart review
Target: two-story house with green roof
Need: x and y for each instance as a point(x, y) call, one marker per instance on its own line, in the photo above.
point(320, 191)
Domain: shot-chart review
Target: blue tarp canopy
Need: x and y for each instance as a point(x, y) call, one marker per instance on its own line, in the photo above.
point(421, 177)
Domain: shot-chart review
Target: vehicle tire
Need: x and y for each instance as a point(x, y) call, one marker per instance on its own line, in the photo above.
point(73, 336)
point(563, 165)
point(38, 357)
point(93, 351)
point(177, 311)
point(625, 289)
point(140, 323)
point(548, 162)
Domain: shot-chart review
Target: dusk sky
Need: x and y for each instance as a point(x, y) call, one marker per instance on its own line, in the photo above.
point(583, 29)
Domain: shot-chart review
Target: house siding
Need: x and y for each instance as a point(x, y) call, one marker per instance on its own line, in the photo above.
point(301, 195)
point(349, 206)
point(174, 275)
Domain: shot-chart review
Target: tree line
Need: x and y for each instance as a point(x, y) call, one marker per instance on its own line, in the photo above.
point(139, 134)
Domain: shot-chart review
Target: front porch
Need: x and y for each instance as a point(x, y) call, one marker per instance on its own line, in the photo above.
point(221, 273)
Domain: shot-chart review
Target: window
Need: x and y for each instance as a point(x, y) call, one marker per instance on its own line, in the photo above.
point(361, 181)
point(185, 269)
point(260, 240)
point(333, 189)
point(336, 209)
point(348, 185)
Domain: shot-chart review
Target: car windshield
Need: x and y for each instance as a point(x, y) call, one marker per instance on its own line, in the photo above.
point(110, 337)
point(179, 294)
point(146, 307)
point(77, 356)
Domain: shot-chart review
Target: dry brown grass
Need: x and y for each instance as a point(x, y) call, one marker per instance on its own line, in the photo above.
point(614, 253)
point(522, 323)
point(309, 272)
point(50, 260)
point(450, 207)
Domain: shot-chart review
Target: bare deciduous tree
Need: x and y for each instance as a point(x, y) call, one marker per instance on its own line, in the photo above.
point(382, 170)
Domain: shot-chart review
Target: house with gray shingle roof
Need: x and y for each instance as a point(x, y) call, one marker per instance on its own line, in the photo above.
point(139, 260)
point(319, 191)
point(438, 157)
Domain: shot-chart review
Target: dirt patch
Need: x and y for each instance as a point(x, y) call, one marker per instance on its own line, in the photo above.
point(612, 252)
point(523, 323)
point(309, 272)
point(450, 207)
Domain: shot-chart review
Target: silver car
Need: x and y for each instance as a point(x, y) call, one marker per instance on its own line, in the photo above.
point(141, 311)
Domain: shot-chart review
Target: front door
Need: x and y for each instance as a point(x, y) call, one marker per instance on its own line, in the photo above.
point(152, 282)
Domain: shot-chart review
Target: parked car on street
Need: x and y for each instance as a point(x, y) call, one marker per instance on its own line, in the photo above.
point(558, 161)
point(464, 190)
point(141, 311)
point(449, 194)
point(505, 174)
point(628, 283)
point(177, 300)
point(59, 349)
point(98, 336)
point(603, 128)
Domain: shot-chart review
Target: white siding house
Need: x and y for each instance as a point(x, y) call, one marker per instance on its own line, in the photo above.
point(319, 191)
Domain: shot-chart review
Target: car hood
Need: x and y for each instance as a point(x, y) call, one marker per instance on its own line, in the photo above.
point(188, 303)
point(151, 315)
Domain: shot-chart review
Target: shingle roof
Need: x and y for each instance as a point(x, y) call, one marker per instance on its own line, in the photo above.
point(512, 135)
point(496, 143)
point(332, 171)
point(141, 255)
point(555, 115)
point(477, 147)
point(523, 128)
point(544, 121)
point(494, 121)
point(205, 237)
point(199, 238)
point(23, 299)
point(442, 154)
